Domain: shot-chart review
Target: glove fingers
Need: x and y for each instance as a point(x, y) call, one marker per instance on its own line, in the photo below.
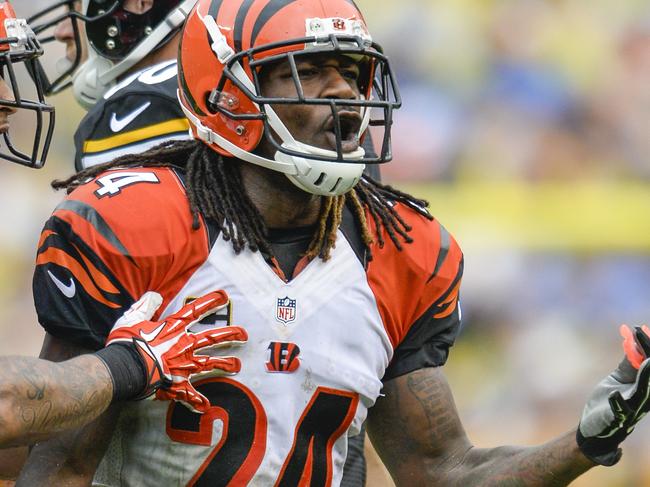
point(219, 337)
point(630, 346)
point(206, 366)
point(186, 394)
point(641, 401)
point(201, 307)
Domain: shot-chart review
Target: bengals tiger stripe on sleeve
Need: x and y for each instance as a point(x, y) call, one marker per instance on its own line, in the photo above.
point(110, 241)
point(417, 293)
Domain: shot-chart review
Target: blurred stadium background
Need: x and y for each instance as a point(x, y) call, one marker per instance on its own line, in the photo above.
point(526, 124)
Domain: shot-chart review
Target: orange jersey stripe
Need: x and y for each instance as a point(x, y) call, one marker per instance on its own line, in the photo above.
point(61, 258)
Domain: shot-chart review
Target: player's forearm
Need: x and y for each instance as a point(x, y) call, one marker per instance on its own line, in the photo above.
point(39, 398)
point(555, 463)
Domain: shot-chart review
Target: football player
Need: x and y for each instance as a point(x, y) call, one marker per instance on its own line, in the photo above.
point(19, 47)
point(127, 81)
point(39, 398)
point(121, 62)
point(349, 288)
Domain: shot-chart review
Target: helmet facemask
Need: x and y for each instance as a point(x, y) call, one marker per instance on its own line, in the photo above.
point(44, 23)
point(20, 47)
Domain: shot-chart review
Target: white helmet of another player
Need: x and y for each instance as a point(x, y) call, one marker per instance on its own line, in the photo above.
point(117, 38)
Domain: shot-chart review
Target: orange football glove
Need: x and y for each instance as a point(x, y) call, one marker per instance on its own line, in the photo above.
point(171, 353)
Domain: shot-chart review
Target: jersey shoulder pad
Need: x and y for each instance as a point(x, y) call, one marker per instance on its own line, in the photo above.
point(423, 277)
point(136, 219)
point(136, 115)
point(133, 202)
point(112, 239)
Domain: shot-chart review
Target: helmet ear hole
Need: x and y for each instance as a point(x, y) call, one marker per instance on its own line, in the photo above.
point(320, 179)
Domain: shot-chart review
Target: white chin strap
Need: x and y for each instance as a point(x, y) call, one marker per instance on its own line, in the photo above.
point(311, 175)
point(98, 74)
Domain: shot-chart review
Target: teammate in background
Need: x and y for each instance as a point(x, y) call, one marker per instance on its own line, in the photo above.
point(348, 288)
point(129, 85)
point(40, 398)
point(121, 63)
point(19, 47)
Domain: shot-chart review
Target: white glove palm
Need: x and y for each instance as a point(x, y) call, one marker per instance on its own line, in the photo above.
point(619, 401)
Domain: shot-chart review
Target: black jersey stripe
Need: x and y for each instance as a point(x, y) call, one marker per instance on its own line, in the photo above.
point(242, 13)
point(186, 89)
point(64, 238)
point(267, 12)
point(215, 6)
point(459, 275)
point(445, 240)
point(91, 215)
point(79, 257)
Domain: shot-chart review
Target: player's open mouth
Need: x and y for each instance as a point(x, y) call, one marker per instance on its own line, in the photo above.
point(350, 123)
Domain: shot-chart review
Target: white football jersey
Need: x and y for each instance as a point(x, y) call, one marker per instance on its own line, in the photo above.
point(319, 345)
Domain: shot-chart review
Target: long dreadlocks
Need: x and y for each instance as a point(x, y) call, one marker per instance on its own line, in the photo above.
point(215, 190)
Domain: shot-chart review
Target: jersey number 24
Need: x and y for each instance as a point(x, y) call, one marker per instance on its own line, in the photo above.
point(239, 453)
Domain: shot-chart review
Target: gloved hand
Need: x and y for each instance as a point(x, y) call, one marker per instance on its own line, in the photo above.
point(619, 402)
point(169, 350)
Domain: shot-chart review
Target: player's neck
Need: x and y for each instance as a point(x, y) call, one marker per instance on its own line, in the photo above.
point(280, 202)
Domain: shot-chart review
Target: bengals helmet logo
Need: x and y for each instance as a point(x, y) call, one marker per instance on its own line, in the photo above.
point(282, 357)
point(338, 24)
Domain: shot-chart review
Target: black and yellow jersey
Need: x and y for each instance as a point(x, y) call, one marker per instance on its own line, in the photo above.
point(139, 113)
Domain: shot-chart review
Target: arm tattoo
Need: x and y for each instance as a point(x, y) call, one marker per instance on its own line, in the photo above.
point(38, 398)
point(417, 418)
point(440, 413)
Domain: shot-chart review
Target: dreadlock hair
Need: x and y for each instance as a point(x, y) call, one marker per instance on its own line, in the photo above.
point(215, 190)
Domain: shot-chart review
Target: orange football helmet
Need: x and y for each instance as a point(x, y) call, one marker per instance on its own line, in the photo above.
point(225, 45)
point(18, 44)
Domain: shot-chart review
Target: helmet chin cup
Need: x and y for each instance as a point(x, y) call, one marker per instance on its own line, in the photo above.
point(320, 177)
point(87, 85)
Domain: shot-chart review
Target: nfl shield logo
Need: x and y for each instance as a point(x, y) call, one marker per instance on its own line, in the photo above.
point(285, 310)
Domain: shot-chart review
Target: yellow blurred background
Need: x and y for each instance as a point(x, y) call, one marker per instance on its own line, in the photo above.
point(526, 124)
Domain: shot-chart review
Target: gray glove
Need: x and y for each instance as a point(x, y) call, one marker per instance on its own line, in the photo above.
point(617, 404)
